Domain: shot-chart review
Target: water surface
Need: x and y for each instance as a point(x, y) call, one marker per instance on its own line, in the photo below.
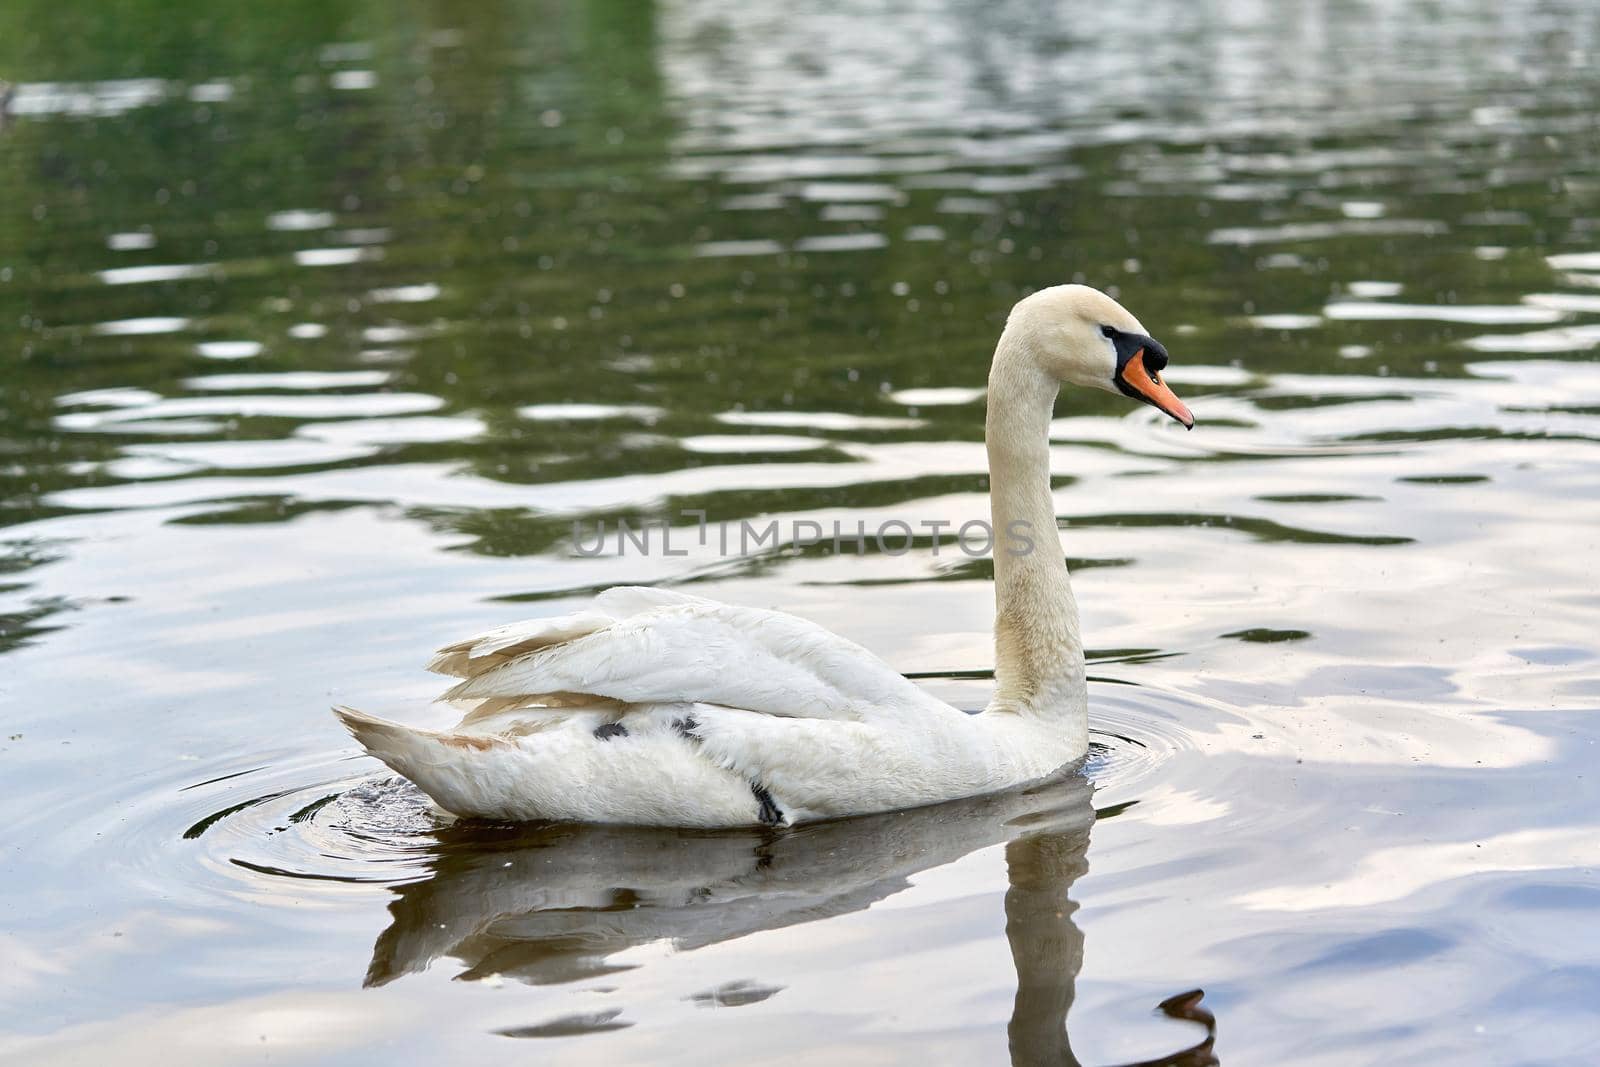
point(322, 324)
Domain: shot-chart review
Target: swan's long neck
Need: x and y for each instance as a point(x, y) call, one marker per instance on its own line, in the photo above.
point(1038, 652)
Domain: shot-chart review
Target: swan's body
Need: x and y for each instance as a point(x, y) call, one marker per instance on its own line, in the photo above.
point(665, 709)
point(685, 711)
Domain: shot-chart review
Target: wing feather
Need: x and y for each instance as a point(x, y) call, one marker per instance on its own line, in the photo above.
point(469, 658)
point(663, 647)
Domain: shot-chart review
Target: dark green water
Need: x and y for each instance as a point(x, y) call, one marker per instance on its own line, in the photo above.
point(321, 325)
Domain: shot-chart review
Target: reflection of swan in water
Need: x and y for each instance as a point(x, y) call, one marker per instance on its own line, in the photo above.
point(550, 904)
point(1047, 948)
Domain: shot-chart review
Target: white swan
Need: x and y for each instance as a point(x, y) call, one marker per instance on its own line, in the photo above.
point(661, 708)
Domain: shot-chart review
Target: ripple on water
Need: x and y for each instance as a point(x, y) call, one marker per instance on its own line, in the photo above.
point(142, 327)
point(1536, 342)
point(1133, 732)
point(299, 220)
point(333, 406)
point(356, 829)
point(841, 242)
point(818, 420)
point(308, 381)
point(726, 249)
point(229, 349)
point(103, 98)
point(1286, 322)
point(174, 457)
point(1575, 261)
point(423, 429)
point(335, 257)
point(1485, 315)
point(405, 294)
point(937, 397)
point(589, 412)
point(163, 272)
point(733, 444)
point(131, 241)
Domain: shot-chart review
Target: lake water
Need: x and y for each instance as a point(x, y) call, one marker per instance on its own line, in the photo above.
point(321, 324)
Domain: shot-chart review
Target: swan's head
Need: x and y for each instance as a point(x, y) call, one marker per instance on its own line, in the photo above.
point(1081, 336)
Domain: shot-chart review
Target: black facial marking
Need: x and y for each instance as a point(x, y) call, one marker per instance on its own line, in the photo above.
point(1129, 345)
point(686, 728)
point(770, 814)
point(610, 730)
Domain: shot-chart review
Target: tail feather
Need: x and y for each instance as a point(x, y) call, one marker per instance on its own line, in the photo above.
point(443, 764)
point(391, 742)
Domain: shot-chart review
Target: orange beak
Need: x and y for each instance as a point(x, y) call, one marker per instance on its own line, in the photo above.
point(1154, 391)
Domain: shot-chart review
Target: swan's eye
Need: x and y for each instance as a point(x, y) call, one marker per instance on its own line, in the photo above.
point(1107, 331)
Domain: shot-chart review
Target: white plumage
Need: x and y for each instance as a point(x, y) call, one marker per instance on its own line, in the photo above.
point(661, 708)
